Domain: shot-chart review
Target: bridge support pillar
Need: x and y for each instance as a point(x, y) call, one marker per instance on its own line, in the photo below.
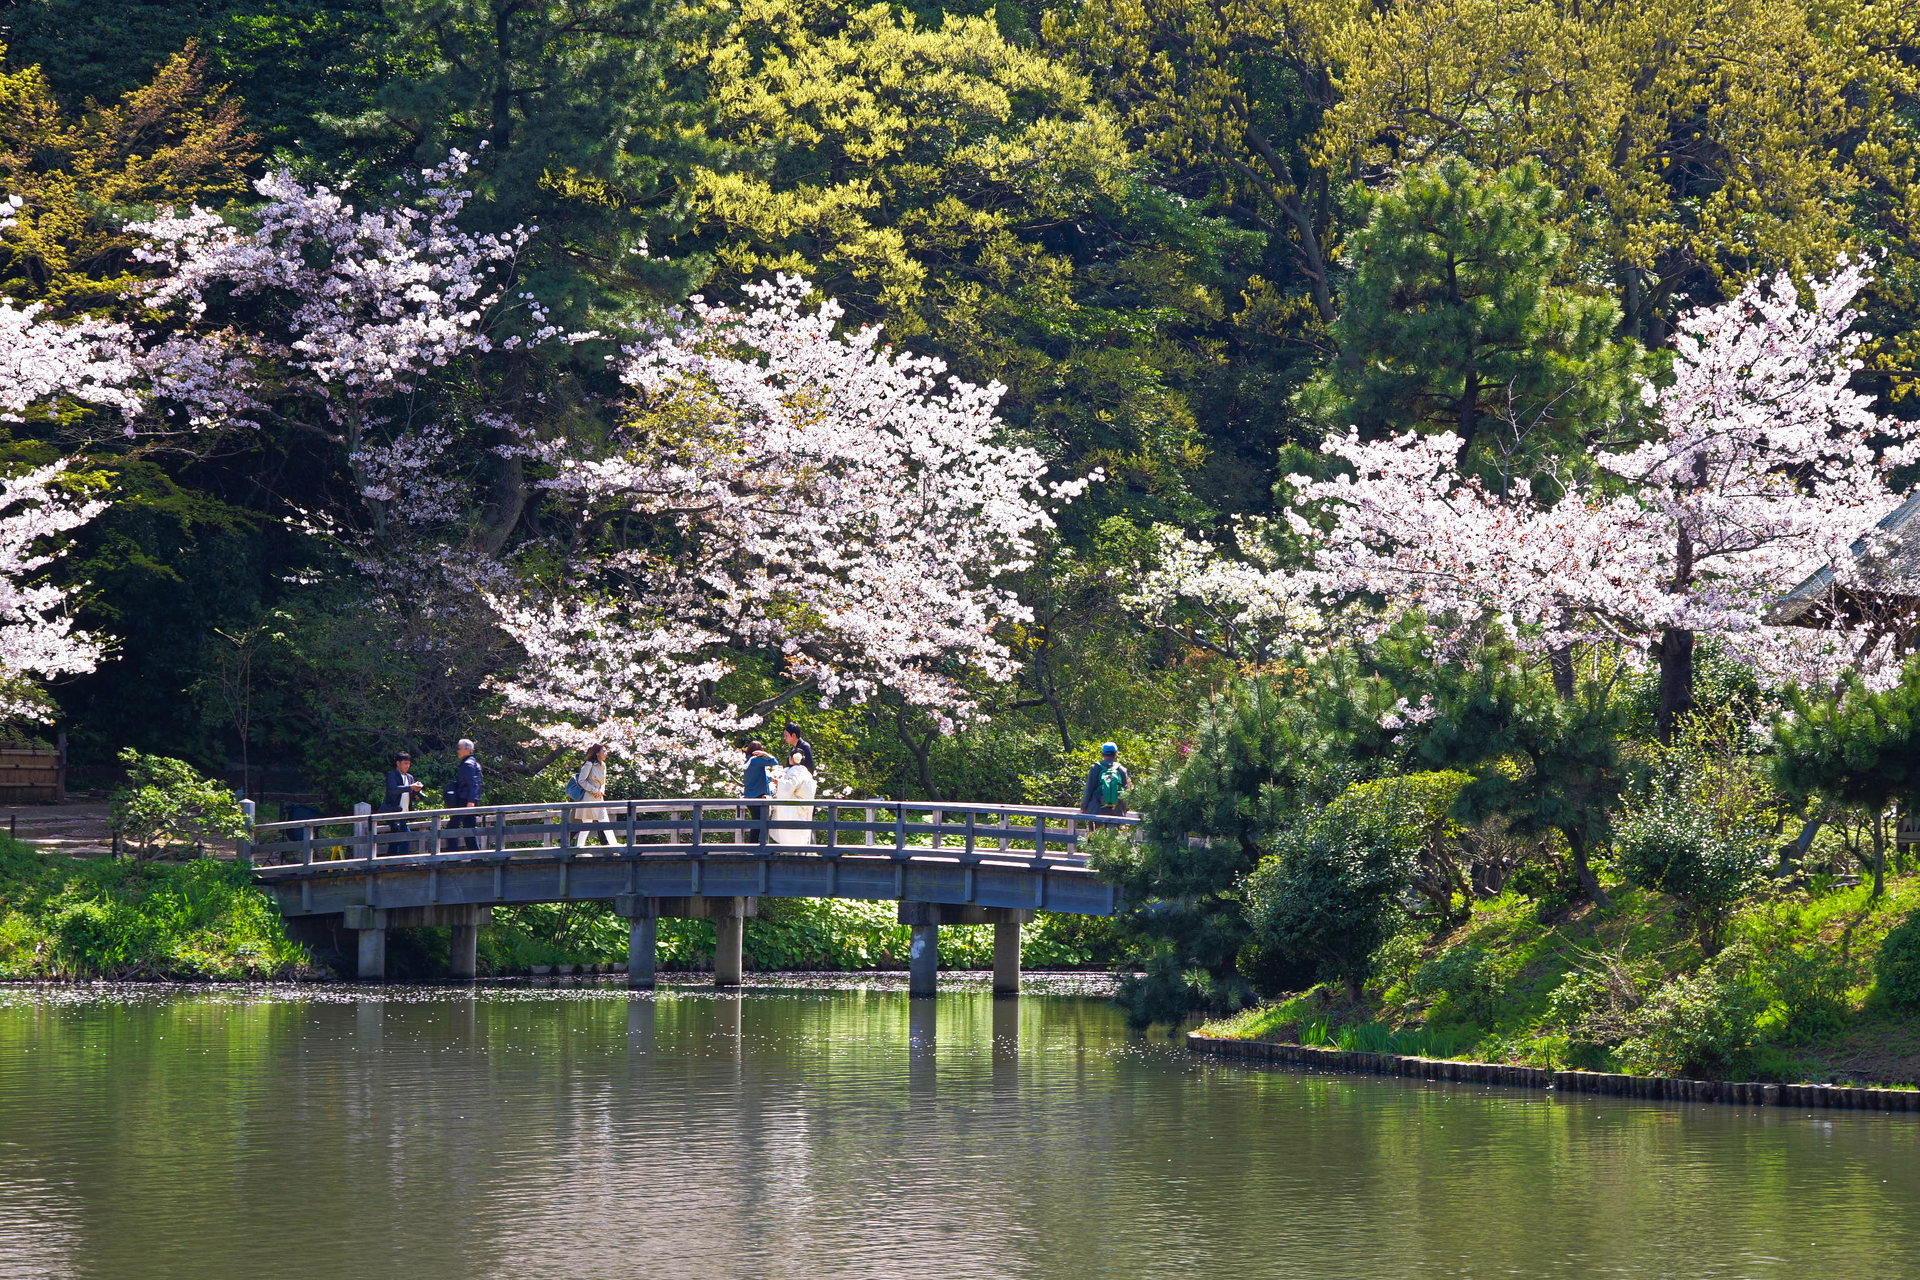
point(370, 923)
point(729, 941)
point(642, 915)
point(1006, 958)
point(463, 960)
point(923, 960)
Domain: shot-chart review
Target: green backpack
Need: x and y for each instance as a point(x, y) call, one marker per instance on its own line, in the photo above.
point(1111, 783)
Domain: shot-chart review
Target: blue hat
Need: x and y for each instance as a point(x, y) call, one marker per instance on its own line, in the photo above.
point(1109, 749)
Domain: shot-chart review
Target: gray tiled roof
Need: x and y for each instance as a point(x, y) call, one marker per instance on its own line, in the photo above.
point(1889, 561)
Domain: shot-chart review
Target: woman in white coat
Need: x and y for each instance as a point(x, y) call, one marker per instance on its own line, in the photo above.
point(592, 781)
point(795, 782)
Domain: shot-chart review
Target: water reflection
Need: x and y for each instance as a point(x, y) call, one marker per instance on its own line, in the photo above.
point(586, 1132)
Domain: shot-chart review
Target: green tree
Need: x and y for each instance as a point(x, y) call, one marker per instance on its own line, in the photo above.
point(1452, 321)
point(1545, 763)
point(978, 199)
point(582, 123)
point(1329, 895)
point(1263, 752)
point(1860, 749)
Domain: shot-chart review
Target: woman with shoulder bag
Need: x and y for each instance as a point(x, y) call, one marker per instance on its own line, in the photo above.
point(590, 785)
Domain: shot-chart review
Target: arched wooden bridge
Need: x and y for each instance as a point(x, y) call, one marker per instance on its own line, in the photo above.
point(702, 859)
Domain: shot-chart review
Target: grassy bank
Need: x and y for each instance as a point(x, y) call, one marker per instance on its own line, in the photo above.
point(1794, 993)
point(105, 918)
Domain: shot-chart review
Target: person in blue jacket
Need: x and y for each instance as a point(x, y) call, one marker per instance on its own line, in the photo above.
point(1107, 783)
point(466, 791)
point(402, 793)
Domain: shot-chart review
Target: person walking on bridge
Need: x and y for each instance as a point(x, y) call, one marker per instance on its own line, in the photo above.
point(465, 792)
point(402, 791)
point(797, 743)
point(1107, 783)
point(591, 783)
point(794, 783)
point(757, 782)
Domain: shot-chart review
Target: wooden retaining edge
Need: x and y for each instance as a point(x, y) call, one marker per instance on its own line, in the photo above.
point(1657, 1088)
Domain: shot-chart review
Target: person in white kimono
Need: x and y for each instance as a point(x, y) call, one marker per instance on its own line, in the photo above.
point(592, 780)
point(795, 782)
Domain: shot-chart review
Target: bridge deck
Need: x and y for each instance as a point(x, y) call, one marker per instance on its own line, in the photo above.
point(709, 858)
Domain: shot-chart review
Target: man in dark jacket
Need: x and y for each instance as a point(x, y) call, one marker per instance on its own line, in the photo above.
point(757, 783)
point(797, 743)
point(402, 791)
point(1107, 783)
point(466, 791)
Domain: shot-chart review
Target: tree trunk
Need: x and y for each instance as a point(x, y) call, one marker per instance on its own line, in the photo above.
point(1793, 852)
point(1676, 680)
point(1560, 657)
point(1583, 874)
point(1879, 852)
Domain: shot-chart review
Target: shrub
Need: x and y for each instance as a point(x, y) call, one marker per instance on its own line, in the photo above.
point(1810, 985)
point(1398, 958)
point(1896, 969)
point(1329, 897)
point(1468, 977)
point(169, 805)
point(1675, 845)
point(1695, 1024)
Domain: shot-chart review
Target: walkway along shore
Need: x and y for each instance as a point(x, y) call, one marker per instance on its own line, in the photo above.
point(1656, 1088)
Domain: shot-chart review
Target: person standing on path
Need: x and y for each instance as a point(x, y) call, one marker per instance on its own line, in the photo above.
point(797, 743)
point(466, 792)
point(592, 781)
point(402, 791)
point(1107, 783)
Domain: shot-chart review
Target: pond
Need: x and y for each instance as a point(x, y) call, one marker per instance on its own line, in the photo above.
point(821, 1131)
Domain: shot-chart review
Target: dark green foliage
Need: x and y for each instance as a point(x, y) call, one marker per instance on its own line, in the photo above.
point(1264, 752)
point(1671, 844)
point(1542, 762)
point(1330, 895)
point(1896, 969)
point(1860, 749)
point(1452, 321)
point(581, 125)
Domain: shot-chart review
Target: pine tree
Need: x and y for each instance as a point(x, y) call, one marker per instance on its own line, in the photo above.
point(1451, 320)
point(1860, 749)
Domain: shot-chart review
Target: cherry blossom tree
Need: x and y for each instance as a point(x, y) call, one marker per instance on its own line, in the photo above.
point(783, 488)
point(1765, 465)
point(38, 640)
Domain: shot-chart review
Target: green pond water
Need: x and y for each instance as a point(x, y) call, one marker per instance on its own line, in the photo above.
point(846, 1131)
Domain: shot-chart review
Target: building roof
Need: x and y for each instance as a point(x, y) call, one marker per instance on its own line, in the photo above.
point(1888, 558)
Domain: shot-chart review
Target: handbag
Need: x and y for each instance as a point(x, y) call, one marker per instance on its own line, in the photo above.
point(574, 790)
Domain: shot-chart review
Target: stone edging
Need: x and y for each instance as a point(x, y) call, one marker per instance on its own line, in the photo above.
point(1664, 1088)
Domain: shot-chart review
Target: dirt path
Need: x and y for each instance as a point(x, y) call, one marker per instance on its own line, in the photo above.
point(80, 828)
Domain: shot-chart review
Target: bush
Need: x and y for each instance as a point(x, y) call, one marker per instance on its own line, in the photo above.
point(1810, 985)
point(1696, 1024)
point(170, 805)
point(1329, 897)
point(1468, 977)
point(1676, 846)
point(1896, 969)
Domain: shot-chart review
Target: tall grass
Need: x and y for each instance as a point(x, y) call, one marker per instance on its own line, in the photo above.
point(104, 918)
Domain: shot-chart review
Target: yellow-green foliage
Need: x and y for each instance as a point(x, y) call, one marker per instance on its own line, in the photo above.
point(106, 918)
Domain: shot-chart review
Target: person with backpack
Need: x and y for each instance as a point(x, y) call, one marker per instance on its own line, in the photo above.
point(590, 784)
point(1107, 783)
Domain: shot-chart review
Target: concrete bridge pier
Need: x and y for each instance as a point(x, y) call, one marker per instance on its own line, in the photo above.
point(642, 915)
point(1006, 958)
point(923, 960)
point(372, 923)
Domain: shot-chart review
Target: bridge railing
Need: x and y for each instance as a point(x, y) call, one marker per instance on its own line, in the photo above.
point(966, 834)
